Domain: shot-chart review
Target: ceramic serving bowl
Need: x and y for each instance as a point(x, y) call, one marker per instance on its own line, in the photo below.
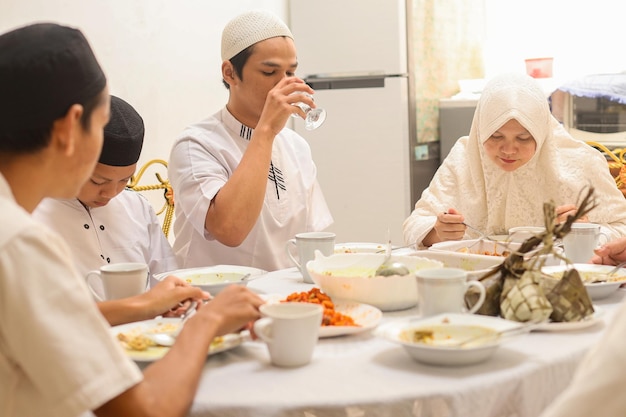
point(478, 247)
point(485, 249)
point(476, 266)
point(351, 277)
point(590, 273)
point(214, 279)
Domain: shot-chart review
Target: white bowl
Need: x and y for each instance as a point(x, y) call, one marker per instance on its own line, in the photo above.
point(485, 249)
point(475, 265)
point(214, 278)
point(521, 233)
point(448, 329)
point(587, 273)
point(350, 277)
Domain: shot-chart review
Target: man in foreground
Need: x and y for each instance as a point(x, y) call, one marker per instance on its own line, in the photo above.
point(54, 103)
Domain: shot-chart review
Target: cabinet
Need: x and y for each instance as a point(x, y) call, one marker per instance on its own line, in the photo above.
point(455, 120)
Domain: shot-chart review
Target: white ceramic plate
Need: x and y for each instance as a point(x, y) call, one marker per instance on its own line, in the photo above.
point(598, 290)
point(442, 354)
point(154, 353)
point(572, 325)
point(359, 247)
point(366, 316)
point(214, 278)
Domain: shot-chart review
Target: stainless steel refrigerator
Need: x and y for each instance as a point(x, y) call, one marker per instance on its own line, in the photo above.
point(370, 165)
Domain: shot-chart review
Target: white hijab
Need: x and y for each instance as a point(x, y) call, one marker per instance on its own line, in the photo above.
point(494, 200)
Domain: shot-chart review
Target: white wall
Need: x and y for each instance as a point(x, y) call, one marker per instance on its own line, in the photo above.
point(162, 56)
point(584, 37)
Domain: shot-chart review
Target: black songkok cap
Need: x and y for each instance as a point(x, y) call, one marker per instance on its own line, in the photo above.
point(123, 135)
point(44, 69)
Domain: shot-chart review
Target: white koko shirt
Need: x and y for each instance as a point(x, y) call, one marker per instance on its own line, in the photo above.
point(202, 160)
point(57, 355)
point(125, 230)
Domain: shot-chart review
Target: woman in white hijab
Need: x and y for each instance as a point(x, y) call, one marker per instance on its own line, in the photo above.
point(516, 157)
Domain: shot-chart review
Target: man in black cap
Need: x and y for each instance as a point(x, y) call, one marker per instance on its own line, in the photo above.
point(54, 104)
point(108, 223)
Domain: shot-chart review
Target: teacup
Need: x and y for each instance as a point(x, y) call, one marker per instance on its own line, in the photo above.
point(307, 243)
point(119, 280)
point(290, 330)
point(580, 242)
point(442, 290)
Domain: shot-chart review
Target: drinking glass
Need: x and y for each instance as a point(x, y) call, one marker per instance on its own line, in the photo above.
point(314, 117)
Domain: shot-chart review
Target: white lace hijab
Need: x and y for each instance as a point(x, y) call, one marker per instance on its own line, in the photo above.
point(494, 200)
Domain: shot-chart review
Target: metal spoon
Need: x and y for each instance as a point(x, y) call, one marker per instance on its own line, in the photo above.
point(496, 335)
point(168, 339)
point(605, 277)
point(387, 269)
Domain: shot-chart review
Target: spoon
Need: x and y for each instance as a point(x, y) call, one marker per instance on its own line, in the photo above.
point(387, 269)
point(507, 332)
point(168, 339)
point(605, 277)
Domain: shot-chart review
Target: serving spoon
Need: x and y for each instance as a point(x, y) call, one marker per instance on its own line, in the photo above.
point(387, 269)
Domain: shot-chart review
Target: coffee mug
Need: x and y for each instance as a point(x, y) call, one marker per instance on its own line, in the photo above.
point(580, 242)
point(119, 280)
point(306, 244)
point(442, 290)
point(290, 330)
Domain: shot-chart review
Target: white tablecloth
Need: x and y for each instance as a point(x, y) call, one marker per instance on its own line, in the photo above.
point(363, 375)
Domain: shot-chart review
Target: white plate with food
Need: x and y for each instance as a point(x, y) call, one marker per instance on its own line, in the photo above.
point(140, 349)
point(366, 317)
point(566, 326)
point(359, 247)
point(590, 273)
point(437, 340)
point(363, 247)
point(215, 278)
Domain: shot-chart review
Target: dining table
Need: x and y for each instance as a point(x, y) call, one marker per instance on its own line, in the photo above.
point(363, 374)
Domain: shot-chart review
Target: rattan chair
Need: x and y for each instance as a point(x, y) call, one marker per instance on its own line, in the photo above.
point(616, 163)
point(167, 209)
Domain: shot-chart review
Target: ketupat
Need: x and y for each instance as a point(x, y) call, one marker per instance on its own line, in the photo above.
point(523, 299)
point(516, 290)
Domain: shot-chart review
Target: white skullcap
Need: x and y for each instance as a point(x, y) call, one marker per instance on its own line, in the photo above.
point(249, 28)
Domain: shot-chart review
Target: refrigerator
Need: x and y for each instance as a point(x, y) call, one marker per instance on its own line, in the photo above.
point(372, 170)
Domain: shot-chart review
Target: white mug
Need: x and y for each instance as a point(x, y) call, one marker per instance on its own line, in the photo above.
point(307, 243)
point(119, 280)
point(442, 290)
point(580, 242)
point(290, 330)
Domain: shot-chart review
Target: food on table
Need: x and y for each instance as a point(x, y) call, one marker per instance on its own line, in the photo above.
point(485, 252)
point(523, 299)
point(589, 277)
point(419, 336)
point(517, 290)
point(331, 316)
point(568, 296)
point(135, 338)
point(135, 342)
point(449, 335)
